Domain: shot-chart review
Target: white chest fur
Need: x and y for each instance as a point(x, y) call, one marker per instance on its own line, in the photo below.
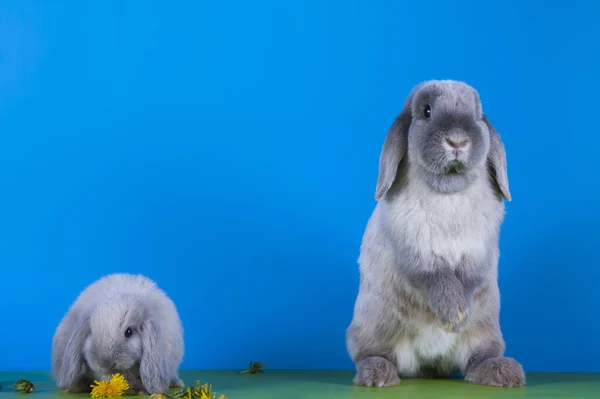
point(442, 225)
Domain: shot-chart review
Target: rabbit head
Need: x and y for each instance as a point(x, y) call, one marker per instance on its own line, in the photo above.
point(123, 334)
point(115, 342)
point(444, 135)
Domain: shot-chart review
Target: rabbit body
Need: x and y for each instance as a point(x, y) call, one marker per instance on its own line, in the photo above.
point(428, 301)
point(121, 323)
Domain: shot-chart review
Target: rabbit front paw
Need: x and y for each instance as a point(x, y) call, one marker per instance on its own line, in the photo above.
point(448, 302)
point(136, 389)
point(498, 372)
point(376, 371)
point(176, 382)
point(83, 384)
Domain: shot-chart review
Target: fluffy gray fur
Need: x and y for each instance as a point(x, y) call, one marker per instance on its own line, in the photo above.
point(90, 341)
point(428, 301)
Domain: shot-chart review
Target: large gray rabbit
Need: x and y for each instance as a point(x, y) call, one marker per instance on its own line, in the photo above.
point(121, 323)
point(428, 302)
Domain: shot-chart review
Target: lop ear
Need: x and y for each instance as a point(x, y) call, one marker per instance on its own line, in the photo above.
point(153, 370)
point(394, 148)
point(73, 368)
point(497, 162)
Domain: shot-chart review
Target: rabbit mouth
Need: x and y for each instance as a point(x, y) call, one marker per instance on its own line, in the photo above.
point(455, 167)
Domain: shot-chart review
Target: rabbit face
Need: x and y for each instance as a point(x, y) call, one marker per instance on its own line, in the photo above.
point(115, 343)
point(447, 138)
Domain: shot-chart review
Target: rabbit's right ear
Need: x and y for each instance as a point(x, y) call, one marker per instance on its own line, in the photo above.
point(73, 366)
point(394, 148)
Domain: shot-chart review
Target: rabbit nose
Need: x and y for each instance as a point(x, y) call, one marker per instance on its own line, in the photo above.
point(456, 144)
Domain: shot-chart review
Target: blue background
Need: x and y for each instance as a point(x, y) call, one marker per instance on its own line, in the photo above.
point(229, 150)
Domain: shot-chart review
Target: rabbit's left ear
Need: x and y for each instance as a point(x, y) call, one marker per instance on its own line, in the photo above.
point(497, 161)
point(153, 370)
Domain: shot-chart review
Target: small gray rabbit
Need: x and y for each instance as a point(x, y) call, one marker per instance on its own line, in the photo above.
point(428, 302)
point(122, 323)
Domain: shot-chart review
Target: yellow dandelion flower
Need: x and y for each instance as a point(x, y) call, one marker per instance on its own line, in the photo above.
point(110, 389)
point(203, 391)
point(222, 397)
point(207, 395)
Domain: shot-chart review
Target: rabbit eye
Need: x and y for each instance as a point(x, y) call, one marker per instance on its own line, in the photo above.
point(128, 332)
point(427, 111)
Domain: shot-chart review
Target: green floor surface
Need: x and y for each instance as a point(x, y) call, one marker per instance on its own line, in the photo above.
point(274, 384)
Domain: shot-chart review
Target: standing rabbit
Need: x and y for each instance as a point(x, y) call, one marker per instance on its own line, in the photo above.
point(122, 323)
point(428, 302)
